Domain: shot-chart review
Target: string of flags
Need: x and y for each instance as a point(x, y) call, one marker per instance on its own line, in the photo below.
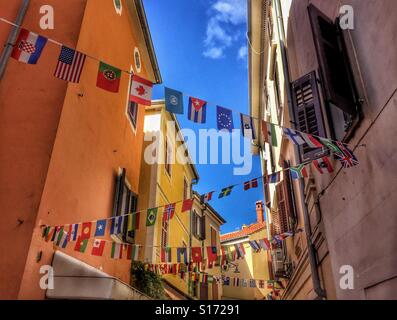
point(29, 47)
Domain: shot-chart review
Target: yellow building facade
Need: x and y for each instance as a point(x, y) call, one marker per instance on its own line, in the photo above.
point(253, 266)
point(168, 176)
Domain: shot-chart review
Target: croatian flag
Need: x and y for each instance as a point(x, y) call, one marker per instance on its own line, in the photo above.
point(197, 110)
point(28, 47)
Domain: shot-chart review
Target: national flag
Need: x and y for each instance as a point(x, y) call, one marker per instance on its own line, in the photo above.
point(197, 255)
point(133, 252)
point(240, 250)
point(204, 278)
point(205, 198)
point(261, 284)
point(298, 172)
point(236, 282)
point(58, 235)
point(311, 141)
point(72, 234)
point(247, 126)
point(116, 226)
point(55, 234)
point(224, 119)
point(274, 177)
point(226, 281)
point(100, 228)
point(64, 240)
point(28, 47)
point(86, 230)
point(181, 255)
point(50, 233)
point(226, 192)
point(133, 223)
point(187, 205)
point(81, 244)
point(141, 91)
point(264, 244)
point(98, 247)
point(169, 211)
point(331, 146)
point(108, 77)
point(197, 110)
point(293, 136)
point(210, 278)
point(166, 254)
point(151, 217)
point(347, 158)
point(212, 255)
point(323, 163)
point(46, 231)
point(251, 184)
point(70, 65)
point(117, 251)
point(269, 133)
point(252, 283)
point(173, 101)
point(254, 245)
point(231, 254)
point(244, 283)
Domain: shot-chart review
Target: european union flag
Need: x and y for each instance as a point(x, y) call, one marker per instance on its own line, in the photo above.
point(224, 118)
point(173, 101)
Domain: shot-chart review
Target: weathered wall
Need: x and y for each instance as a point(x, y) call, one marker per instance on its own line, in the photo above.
point(358, 208)
point(31, 101)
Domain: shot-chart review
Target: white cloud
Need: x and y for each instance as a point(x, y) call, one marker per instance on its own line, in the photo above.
point(213, 53)
point(242, 53)
point(226, 17)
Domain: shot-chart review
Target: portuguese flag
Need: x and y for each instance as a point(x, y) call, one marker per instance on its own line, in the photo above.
point(108, 77)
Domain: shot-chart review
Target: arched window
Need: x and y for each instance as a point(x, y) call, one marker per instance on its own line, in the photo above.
point(118, 6)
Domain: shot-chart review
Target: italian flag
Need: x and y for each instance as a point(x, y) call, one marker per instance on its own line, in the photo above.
point(117, 251)
point(108, 77)
point(133, 252)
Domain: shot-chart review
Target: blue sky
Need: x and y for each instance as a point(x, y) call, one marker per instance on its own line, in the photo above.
point(201, 50)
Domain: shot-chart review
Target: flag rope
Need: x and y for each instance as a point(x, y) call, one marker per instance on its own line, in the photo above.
point(184, 94)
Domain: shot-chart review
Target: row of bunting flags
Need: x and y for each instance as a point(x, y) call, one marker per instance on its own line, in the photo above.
point(211, 256)
point(28, 49)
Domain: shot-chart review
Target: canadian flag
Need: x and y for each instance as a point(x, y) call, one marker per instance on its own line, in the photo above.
point(141, 91)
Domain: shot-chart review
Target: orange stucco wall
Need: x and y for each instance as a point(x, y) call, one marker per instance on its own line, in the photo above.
point(30, 106)
point(93, 139)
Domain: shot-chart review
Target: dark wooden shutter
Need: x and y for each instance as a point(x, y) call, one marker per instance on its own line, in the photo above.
point(335, 70)
point(202, 228)
point(289, 197)
point(194, 224)
point(118, 193)
point(308, 113)
point(282, 209)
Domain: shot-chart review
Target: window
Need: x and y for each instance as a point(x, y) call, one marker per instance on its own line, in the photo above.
point(168, 156)
point(308, 113)
point(132, 112)
point(185, 189)
point(125, 202)
point(214, 237)
point(198, 226)
point(118, 6)
point(338, 84)
point(164, 232)
point(277, 94)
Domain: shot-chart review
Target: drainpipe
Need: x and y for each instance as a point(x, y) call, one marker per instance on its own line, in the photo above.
point(12, 37)
point(310, 246)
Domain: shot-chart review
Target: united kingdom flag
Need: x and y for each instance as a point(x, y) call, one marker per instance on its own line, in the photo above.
point(347, 157)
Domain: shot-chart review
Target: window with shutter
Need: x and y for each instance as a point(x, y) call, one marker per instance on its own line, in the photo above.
point(335, 69)
point(308, 113)
point(282, 209)
point(202, 228)
point(164, 233)
point(289, 197)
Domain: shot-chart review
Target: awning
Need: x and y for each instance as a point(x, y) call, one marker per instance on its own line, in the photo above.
point(74, 279)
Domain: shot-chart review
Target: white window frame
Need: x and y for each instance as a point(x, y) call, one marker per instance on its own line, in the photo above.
point(119, 11)
point(134, 129)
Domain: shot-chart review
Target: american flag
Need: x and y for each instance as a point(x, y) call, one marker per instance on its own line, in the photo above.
point(70, 64)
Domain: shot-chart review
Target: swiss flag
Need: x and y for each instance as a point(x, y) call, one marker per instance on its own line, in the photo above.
point(141, 91)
